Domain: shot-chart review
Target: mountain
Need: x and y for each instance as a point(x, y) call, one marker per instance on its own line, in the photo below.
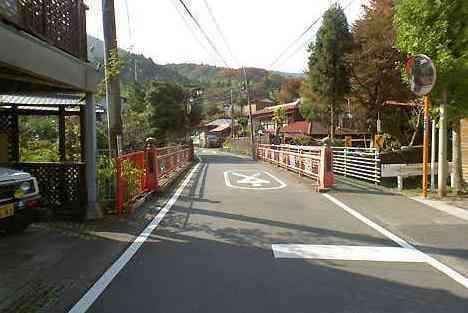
point(217, 81)
point(137, 67)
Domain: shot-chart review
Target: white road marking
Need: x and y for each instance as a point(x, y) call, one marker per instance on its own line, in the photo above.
point(430, 260)
point(228, 182)
point(98, 288)
point(251, 179)
point(444, 207)
point(347, 253)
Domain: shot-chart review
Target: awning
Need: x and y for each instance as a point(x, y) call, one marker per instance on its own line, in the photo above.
point(220, 128)
point(42, 100)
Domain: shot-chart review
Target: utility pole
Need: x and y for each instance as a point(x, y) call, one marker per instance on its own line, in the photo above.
point(232, 113)
point(433, 155)
point(114, 118)
point(252, 134)
point(442, 162)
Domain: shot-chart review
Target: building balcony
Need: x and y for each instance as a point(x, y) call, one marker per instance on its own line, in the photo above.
point(44, 44)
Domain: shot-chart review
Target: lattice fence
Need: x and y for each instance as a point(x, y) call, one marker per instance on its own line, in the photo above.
point(62, 186)
point(59, 22)
point(8, 128)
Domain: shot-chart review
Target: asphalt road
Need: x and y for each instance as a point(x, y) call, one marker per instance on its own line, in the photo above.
point(212, 253)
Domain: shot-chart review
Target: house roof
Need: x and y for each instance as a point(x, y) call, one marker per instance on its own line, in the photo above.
point(43, 100)
point(219, 122)
point(270, 110)
point(316, 128)
point(220, 128)
point(304, 128)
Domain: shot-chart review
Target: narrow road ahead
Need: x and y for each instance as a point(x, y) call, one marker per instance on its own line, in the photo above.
point(225, 245)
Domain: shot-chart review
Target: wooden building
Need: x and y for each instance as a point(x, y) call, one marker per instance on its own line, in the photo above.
point(44, 70)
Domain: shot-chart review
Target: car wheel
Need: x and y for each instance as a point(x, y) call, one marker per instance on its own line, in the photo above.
point(19, 222)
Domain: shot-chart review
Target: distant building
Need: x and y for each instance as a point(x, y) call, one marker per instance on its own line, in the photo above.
point(297, 126)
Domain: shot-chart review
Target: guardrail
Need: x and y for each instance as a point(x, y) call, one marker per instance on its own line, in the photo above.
point(144, 172)
point(361, 163)
point(313, 162)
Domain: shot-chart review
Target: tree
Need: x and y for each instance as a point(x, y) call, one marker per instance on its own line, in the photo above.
point(166, 110)
point(439, 29)
point(328, 72)
point(289, 90)
point(375, 67)
point(279, 118)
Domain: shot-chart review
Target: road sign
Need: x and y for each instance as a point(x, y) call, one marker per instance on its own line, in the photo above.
point(378, 141)
point(348, 141)
point(422, 74)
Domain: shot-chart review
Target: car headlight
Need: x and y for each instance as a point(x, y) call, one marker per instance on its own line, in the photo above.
point(26, 186)
point(23, 189)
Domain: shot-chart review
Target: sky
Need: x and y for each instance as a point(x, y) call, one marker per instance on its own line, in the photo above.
point(257, 31)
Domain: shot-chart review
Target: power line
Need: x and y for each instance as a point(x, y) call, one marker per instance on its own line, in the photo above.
point(220, 31)
point(192, 31)
point(299, 38)
point(203, 32)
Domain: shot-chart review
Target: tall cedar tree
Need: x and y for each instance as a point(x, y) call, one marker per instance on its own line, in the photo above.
point(328, 74)
point(166, 110)
point(375, 70)
point(439, 29)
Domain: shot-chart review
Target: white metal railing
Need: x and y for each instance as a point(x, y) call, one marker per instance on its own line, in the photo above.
point(299, 159)
point(361, 163)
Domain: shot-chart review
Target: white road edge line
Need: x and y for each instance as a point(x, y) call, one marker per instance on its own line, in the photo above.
point(459, 278)
point(101, 284)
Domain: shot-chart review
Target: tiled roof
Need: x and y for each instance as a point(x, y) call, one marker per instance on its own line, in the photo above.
point(220, 128)
point(304, 128)
point(219, 122)
point(286, 106)
point(41, 100)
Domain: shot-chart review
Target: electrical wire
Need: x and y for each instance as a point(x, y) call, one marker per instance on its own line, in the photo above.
point(283, 53)
point(220, 31)
point(208, 39)
point(192, 31)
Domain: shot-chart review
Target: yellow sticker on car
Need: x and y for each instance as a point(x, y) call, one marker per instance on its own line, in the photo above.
point(7, 210)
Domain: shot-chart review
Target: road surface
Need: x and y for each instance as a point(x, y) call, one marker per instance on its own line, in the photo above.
point(246, 237)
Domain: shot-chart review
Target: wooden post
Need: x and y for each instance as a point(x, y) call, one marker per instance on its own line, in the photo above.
point(93, 210)
point(83, 133)
point(15, 157)
point(61, 129)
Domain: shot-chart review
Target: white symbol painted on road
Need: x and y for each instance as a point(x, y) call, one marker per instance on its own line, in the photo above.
point(252, 179)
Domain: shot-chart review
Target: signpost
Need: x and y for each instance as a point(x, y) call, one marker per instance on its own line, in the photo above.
point(422, 73)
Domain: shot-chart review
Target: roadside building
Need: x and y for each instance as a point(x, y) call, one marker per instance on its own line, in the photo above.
point(45, 72)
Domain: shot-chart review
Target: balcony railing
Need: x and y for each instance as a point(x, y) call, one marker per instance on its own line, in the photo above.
point(61, 23)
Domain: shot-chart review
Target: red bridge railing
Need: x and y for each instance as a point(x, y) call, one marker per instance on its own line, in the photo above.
point(313, 162)
point(143, 172)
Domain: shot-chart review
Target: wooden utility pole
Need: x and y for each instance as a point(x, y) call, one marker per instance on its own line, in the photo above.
point(252, 134)
point(114, 118)
point(232, 113)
